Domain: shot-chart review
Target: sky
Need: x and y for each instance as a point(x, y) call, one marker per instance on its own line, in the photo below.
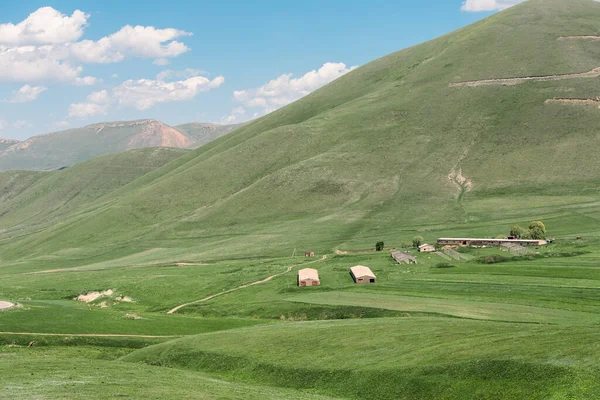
point(66, 64)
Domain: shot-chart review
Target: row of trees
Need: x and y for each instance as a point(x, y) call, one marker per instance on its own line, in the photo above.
point(536, 231)
point(416, 242)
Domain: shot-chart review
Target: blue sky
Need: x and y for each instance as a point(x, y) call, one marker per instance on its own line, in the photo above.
point(65, 64)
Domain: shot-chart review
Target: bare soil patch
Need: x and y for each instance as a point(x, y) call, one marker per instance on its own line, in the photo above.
point(582, 102)
point(588, 37)
point(5, 305)
point(594, 73)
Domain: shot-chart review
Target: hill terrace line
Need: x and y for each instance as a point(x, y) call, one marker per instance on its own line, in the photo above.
point(489, 242)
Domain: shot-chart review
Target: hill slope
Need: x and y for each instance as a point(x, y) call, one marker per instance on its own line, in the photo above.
point(204, 133)
point(391, 149)
point(37, 198)
point(65, 148)
point(6, 143)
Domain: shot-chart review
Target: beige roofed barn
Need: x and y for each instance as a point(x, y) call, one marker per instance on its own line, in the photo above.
point(308, 277)
point(362, 274)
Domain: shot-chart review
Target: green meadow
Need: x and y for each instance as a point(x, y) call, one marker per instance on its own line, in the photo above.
point(387, 152)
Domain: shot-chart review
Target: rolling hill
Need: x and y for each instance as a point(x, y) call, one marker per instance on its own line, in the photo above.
point(423, 140)
point(61, 149)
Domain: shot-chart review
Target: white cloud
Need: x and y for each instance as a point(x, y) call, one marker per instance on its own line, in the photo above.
point(44, 26)
point(32, 64)
point(86, 81)
point(171, 74)
point(27, 93)
point(161, 61)
point(21, 123)
point(488, 5)
point(144, 93)
point(2, 124)
point(284, 90)
point(62, 124)
point(138, 41)
point(236, 113)
point(97, 104)
point(114, 76)
point(46, 46)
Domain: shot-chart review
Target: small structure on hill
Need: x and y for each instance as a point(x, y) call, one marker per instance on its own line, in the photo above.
point(426, 248)
point(308, 277)
point(488, 242)
point(309, 254)
point(362, 274)
point(403, 258)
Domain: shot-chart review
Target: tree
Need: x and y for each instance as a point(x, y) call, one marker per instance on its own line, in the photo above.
point(537, 230)
point(379, 246)
point(516, 231)
point(417, 241)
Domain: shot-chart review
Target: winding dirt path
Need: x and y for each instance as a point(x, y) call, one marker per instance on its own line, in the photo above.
point(5, 305)
point(589, 37)
point(174, 310)
point(91, 335)
point(594, 73)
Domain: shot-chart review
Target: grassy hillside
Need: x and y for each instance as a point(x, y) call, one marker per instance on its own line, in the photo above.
point(62, 149)
point(204, 133)
point(33, 199)
point(388, 151)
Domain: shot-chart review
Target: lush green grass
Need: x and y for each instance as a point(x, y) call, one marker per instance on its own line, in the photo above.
point(85, 373)
point(409, 358)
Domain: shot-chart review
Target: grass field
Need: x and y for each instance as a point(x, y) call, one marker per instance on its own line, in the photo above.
point(375, 155)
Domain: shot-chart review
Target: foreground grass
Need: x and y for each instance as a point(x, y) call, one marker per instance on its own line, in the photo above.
point(92, 373)
point(408, 358)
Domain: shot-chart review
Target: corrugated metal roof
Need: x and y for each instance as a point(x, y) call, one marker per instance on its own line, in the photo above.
point(360, 271)
point(308, 273)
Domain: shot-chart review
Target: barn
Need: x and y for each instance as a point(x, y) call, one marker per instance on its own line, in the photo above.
point(308, 277)
point(362, 274)
point(426, 248)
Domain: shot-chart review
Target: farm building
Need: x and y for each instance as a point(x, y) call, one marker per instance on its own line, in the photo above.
point(426, 248)
point(403, 258)
point(308, 277)
point(362, 274)
point(489, 242)
point(309, 254)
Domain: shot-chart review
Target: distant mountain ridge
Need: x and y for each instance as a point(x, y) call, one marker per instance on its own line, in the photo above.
point(65, 148)
point(6, 143)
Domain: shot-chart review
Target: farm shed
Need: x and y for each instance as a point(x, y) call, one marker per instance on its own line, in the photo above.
point(489, 242)
point(362, 274)
point(403, 258)
point(308, 277)
point(309, 254)
point(426, 248)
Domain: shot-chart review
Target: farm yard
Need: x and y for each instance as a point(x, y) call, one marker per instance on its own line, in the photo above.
point(510, 310)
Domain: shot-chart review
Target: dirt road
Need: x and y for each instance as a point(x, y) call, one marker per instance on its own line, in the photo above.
point(5, 305)
point(174, 310)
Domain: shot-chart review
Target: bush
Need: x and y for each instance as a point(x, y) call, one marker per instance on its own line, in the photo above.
point(537, 230)
point(493, 259)
point(417, 241)
point(444, 265)
point(379, 246)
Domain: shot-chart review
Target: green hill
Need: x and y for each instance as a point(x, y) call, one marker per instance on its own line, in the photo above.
point(34, 199)
point(204, 133)
point(389, 150)
point(61, 149)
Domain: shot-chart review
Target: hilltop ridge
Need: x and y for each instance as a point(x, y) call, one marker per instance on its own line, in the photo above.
point(64, 148)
